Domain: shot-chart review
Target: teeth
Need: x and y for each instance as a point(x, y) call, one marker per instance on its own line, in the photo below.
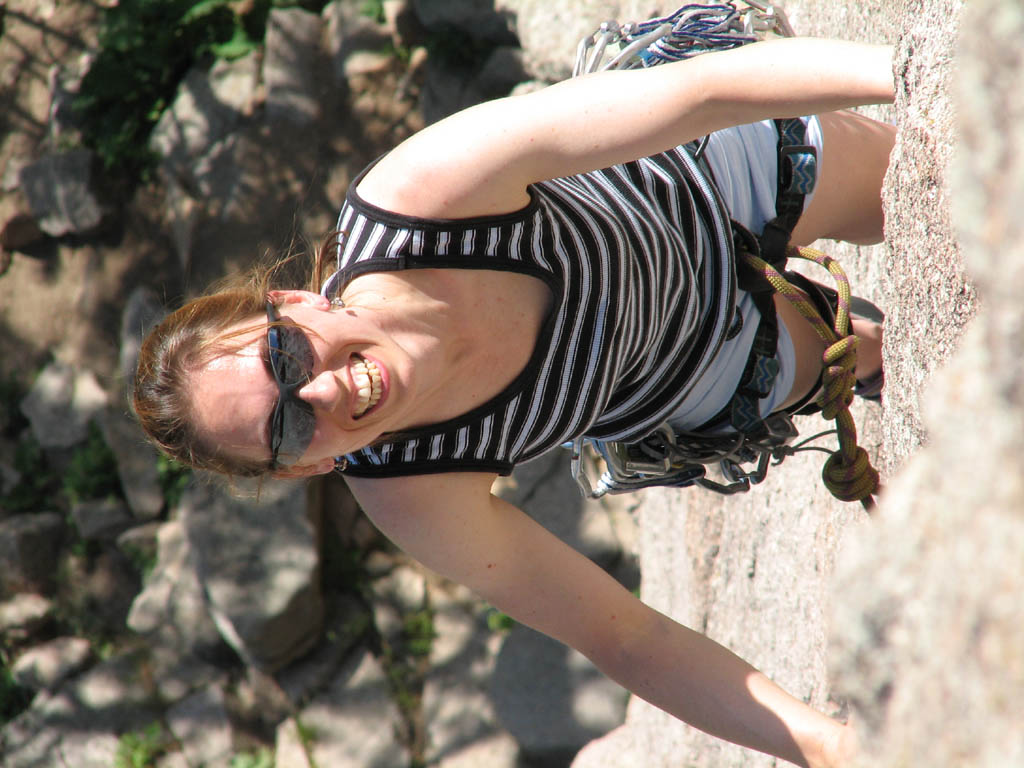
point(367, 379)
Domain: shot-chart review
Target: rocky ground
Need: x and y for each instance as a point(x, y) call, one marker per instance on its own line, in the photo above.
point(287, 627)
point(310, 637)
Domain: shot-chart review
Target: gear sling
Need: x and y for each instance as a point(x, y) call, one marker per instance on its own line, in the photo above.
point(669, 457)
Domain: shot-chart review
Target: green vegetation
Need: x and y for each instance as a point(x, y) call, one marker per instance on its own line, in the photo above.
point(173, 479)
point(92, 472)
point(36, 484)
point(307, 735)
point(12, 420)
point(262, 758)
point(141, 749)
point(145, 49)
point(373, 9)
point(418, 632)
point(406, 663)
point(498, 621)
point(13, 698)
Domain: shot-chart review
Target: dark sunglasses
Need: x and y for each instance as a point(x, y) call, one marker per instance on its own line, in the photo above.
point(291, 360)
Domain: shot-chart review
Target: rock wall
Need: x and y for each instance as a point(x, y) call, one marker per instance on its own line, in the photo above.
point(929, 633)
point(909, 619)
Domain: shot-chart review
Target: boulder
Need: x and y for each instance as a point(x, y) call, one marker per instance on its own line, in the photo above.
point(78, 724)
point(290, 66)
point(207, 107)
point(61, 404)
point(401, 592)
point(349, 32)
point(19, 231)
point(46, 666)
point(29, 549)
point(63, 193)
point(25, 612)
point(550, 32)
point(355, 720)
point(460, 717)
point(925, 268)
point(137, 463)
point(932, 624)
point(172, 608)
point(142, 311)
point(258, 563)
point(551, 698)
point(101, 518)
point(200, 723)
point(479, 21)
point(138, 544)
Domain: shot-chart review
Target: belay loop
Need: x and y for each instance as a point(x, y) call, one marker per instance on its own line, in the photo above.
point(667, 457)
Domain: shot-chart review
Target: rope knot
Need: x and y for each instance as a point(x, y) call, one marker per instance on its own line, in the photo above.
point(848, 473)
point(838, 379)
point(850, 480)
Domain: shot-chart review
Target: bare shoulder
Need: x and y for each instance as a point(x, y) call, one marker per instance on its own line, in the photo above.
point(460, 167)
point(390, 500)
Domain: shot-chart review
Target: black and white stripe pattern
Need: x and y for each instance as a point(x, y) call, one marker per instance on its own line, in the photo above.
point(639, 259)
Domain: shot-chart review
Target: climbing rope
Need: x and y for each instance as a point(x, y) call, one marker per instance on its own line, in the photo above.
point(848, 473)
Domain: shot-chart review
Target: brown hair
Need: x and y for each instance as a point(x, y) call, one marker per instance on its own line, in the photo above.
point(188, 339)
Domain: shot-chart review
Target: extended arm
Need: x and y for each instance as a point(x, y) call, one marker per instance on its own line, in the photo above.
point(521, 568)
point(481, 160)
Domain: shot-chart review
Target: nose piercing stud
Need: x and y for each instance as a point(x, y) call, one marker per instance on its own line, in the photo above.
point(337, 302)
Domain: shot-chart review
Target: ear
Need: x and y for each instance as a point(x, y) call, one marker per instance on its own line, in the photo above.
point(307, 298)
point(299, 471)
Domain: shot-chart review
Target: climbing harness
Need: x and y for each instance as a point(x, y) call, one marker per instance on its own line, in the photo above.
point(670, 457)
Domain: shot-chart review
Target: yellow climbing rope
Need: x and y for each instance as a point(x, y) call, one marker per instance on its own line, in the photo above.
point(848, 473)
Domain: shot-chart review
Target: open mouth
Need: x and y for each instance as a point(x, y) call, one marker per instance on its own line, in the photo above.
point(368, 383)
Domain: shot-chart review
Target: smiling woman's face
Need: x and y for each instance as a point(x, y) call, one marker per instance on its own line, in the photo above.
point(354, 386)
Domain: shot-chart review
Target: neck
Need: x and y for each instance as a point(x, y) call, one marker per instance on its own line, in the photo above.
point(470, 332)
point(427, 313)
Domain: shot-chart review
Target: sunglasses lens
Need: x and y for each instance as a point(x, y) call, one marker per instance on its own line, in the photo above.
point(298, 425)
point(293, 422)
point(290, 355)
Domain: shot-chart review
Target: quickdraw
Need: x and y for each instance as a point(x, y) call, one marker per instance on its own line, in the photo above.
point(690, 31)
point(671, 458)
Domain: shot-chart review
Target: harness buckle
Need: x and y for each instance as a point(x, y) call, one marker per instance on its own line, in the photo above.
point(800, 173)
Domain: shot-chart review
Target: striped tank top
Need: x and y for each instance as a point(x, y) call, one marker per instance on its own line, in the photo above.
point(639, 261)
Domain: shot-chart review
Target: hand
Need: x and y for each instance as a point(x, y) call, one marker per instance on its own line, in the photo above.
point(840, 747)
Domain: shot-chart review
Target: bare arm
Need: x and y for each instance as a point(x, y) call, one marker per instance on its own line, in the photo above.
point(478, 540)
point(481, 160)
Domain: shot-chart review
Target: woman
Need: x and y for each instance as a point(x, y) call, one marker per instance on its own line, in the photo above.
point(487, 314)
